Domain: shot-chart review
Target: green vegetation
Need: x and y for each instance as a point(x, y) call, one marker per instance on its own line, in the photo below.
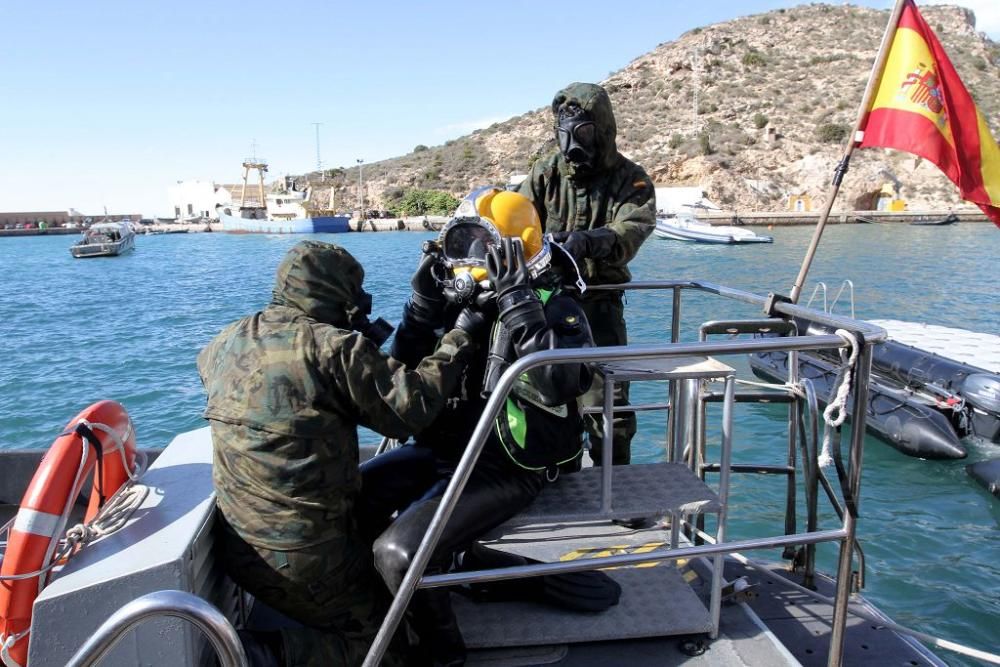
point(831, 133)
point(705, 143)
point(424, 202)
point(754, 58)
point(760, 121)
point(675, 141)
point(419, 148)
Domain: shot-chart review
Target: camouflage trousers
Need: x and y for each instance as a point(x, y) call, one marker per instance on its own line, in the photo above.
point(607, 324)
point(331, 589)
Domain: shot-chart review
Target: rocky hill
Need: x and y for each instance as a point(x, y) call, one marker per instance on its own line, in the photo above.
point(754, 111)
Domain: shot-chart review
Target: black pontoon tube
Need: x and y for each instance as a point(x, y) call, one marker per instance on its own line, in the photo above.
point(986, 473)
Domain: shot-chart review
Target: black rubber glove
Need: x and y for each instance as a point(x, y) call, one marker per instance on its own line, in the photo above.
point(472, 321)
point(591, 244)
point(426, 301)
point(520, 308)
point(507, 268)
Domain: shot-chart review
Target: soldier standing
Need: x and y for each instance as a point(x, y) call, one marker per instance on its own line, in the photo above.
point(600, 206)
point(287, 388)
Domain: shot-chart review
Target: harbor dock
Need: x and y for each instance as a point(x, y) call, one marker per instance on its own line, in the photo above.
point(434, 223)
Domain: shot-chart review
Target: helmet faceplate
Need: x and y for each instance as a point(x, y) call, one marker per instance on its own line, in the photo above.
point(482, 219)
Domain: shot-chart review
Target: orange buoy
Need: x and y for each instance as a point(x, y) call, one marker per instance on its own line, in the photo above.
point(102, 435)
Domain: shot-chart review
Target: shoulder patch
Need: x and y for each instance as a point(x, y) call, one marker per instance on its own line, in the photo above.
point(639, 184)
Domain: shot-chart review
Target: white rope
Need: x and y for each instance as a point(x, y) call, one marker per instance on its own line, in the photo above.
point(793, 388)
point(836, 409)
point(133, 472)
point(8, 644)
point(112, 517)
point(580, 283)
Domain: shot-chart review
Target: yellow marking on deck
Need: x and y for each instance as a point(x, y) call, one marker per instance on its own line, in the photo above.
point(623, 549)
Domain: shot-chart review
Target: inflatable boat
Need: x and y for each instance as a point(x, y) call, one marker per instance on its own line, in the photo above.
point(909, 424)
point(925, 397)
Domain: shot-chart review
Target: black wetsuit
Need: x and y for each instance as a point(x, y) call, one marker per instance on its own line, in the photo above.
point(412, 478)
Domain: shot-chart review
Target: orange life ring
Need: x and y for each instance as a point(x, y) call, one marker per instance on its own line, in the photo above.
point(100, 434)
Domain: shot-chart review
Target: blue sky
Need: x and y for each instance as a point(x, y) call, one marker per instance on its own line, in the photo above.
point(107, 103)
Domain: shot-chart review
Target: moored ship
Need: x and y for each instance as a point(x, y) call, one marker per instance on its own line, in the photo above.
point(285, 212)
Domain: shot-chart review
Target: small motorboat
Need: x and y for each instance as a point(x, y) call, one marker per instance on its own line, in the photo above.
point(105, 239)
point(949, 219)
point(687, 228)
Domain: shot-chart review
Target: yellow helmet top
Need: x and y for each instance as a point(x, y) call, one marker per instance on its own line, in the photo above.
point(482, 219)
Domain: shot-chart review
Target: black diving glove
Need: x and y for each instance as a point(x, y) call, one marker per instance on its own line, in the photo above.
point(590, 244)
point(472, 321)
point(426, 305)
point(519, 306)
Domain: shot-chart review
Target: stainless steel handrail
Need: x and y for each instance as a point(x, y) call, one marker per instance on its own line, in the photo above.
point(178, 604)
point(412, 579)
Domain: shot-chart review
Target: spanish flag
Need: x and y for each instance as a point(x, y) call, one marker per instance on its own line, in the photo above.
point(921, 107)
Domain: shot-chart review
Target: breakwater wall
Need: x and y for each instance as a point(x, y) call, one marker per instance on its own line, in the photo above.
point(434, 223)
point(836, 217)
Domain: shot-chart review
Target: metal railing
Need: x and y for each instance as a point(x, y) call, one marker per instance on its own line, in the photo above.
point(864, 333)
point(178, 604)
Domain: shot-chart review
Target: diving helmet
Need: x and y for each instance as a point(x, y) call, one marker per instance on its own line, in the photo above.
point(484, 217)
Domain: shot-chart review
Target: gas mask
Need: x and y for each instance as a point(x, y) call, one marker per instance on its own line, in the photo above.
point(577, 136)
point(377, 331)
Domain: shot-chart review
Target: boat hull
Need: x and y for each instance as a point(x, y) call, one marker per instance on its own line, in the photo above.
point(986, 473)
point(85, 251)
point(893, 415)
point(690, 230)
point(333, 224)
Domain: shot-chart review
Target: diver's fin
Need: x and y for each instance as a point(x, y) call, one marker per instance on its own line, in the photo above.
point(581, 591)
point(578, 591)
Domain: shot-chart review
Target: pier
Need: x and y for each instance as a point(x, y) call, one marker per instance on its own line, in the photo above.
point(434, 223)
point(786, 218)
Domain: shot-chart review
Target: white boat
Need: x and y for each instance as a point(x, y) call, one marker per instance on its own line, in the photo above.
point(283, 212)
point(683, 227)
point(105, 239)
point(157, 564)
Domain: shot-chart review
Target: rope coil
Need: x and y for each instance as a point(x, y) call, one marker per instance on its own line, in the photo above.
point(836, 409)
point(111, 518)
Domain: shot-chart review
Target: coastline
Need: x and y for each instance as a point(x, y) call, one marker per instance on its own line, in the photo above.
point(434, 223)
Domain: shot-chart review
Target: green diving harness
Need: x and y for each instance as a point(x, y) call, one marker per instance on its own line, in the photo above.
point(535, 436)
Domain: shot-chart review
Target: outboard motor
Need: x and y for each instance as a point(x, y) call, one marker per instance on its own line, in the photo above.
point(982, 392)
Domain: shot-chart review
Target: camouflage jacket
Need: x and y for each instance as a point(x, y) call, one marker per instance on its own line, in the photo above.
point(287, 388)
point(617, 195)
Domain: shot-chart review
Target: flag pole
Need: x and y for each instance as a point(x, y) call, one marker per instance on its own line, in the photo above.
point(838, 176)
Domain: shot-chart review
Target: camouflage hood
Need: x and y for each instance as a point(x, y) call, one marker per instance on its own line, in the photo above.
point(322, 280)
point(593, 99)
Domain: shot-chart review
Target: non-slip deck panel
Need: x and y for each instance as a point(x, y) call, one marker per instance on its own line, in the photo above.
point(655, 602)
point(651, 490)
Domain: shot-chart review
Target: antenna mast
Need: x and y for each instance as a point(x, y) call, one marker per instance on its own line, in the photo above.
point(319, 163)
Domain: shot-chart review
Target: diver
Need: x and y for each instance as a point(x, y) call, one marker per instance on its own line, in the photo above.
point(287, 388)
point(495, 241)
point(600, 207)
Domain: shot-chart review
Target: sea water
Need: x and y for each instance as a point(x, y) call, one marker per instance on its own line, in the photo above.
point(129, 328)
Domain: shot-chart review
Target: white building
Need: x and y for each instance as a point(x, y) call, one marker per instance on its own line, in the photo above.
point(194, 199)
